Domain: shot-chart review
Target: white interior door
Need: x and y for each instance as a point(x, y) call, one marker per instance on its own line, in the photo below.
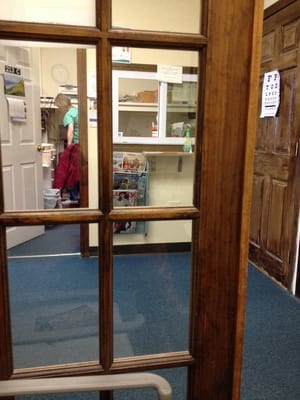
point(21, 162)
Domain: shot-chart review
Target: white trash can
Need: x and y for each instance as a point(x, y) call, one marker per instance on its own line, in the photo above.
point(52, 198)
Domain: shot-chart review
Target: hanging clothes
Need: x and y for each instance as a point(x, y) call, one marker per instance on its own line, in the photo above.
point(67, 172)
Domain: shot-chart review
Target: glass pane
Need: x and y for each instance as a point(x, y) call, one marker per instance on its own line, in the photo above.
point(69, 12)
point(40, 138)
point(151, 300)
point(157, 15)
point(154, 128)
point(181, 108)
point(177, 378)
point(53, 300)
point(142, 94)
point(161, 178)
point(155, 103)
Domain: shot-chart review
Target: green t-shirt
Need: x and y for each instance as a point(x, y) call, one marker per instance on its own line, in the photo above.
point(71, 117)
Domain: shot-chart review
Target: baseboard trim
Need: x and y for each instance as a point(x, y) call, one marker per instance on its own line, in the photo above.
point(146, 248)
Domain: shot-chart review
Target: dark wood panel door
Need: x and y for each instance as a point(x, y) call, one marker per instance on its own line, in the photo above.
point(275, 201)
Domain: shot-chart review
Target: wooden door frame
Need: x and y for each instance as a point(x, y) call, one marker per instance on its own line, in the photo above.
point(226, 133)
point(83, 129)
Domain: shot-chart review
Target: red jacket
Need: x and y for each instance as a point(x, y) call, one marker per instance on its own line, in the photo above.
point(67, 172)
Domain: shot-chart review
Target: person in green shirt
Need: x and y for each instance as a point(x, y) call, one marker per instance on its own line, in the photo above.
point(70, 119)
point(70, 122)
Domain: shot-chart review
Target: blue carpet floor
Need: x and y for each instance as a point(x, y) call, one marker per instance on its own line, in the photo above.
point(58, 239)
point(271, 362)
point(54, 318)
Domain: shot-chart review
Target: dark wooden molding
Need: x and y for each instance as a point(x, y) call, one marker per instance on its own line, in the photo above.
point(279, 5)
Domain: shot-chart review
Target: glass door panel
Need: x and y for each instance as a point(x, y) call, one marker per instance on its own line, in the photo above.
point(53, 300)
point(181, 108)
point(153, 104)
point(138, 107)
point(150, 178)
point(69, 12)
point(151, 295)
point(158, 15)
point(40, 168)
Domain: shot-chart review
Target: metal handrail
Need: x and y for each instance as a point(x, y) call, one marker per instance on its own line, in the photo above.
point(16, 387)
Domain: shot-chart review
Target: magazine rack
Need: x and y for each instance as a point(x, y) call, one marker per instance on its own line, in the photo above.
point(130, 186)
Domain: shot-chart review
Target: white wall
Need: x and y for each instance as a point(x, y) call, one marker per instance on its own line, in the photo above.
point(58, 67)
point(70, 12)
point(268, 3)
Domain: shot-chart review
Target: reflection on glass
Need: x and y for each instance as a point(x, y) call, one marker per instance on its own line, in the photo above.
point(40, 132)
point(53, 300)
point(157, 15)
point(177, 378)
point(151, 303)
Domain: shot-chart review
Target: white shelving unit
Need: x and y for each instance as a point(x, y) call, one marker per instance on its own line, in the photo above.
point(133, 119)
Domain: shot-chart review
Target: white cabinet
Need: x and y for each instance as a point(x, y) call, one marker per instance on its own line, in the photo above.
point(148, 111)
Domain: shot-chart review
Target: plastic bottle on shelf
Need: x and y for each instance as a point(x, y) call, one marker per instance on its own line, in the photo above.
point(188, 145)
point(155, 128)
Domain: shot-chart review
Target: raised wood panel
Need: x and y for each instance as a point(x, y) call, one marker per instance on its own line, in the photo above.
point(9, 198)
point(28, 193)
point(23, 57)
point(266, 164)
point(268, 46)
point(256, 210)
point(290, 36)
point(2, 54)
point(268, 262)
point(274, 237)
point(261, 127)
point(284, 135)
point(261, 138)
point(280, 63)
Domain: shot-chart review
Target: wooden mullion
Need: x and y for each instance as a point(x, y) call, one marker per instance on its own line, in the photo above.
point(45, 217)
point(48, 32)
point(152, 213)
point(105, 204)
point(160, 40)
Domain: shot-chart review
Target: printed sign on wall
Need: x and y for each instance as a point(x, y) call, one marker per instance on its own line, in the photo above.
point(270, 94)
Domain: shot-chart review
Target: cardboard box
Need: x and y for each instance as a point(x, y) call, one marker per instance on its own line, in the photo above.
point(148, 96)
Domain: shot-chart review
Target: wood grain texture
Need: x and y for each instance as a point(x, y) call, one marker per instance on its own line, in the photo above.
point(275, 200)
point(229, 58)
point(232, 72)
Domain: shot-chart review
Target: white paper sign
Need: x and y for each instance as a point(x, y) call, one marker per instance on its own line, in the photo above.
point(121, 54)
point(169, 73)
point(17, 108)
point(270, 94)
